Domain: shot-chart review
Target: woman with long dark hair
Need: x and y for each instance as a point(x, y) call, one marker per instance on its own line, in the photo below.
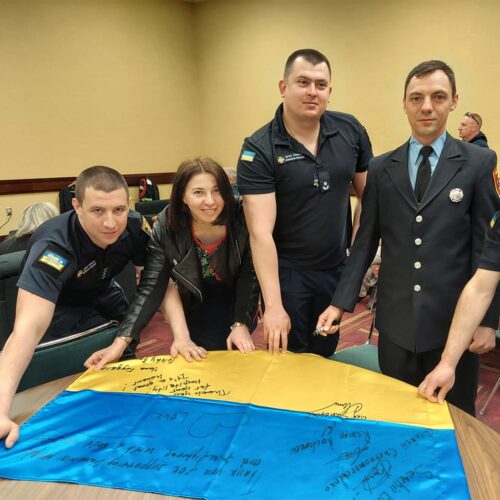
point(199, 271)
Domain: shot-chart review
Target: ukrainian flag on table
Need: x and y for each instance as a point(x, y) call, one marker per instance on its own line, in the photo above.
point(251, 426)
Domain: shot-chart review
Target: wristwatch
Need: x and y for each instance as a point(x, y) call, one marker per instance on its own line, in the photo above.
point(235, 324)
point(125, 339)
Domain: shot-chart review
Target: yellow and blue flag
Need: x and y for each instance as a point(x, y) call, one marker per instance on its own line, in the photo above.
point(251, 426)
point(247, 155)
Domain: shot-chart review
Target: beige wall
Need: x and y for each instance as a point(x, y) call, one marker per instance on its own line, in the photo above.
point(372, 45)
point(87, 82)
point(141, 84)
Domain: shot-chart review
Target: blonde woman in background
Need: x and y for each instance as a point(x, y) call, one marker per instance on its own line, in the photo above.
point(33, 216)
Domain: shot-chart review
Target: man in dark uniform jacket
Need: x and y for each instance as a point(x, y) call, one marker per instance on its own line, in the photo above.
point(472, 305)
point(294, 174)
point(68, 273)
point(429, 201)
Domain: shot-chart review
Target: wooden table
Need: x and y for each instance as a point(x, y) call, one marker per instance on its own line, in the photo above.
point(479, 448)
point(480, 451)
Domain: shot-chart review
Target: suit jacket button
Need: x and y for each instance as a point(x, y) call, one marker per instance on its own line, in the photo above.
point(419, 218)
point(418, 242)
point(417, 288)
point(417, 265)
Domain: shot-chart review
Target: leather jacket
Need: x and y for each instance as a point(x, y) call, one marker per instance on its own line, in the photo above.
point(174, 256)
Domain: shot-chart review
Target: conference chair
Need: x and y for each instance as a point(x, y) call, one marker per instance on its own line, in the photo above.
point(150, 209)
point(53, 359)
point(10, 264)
point(62, 357)
point(497, 383)
point(365, 355)
point(492, 393)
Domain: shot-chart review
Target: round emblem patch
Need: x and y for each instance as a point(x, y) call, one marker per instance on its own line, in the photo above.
point(456, 195)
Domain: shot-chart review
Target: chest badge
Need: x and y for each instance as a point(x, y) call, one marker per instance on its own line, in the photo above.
point(281, 159)
point(456, 195)
point(87, 268)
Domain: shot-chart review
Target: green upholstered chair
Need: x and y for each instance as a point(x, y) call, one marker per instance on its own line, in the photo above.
point(54, 359)
point(62, 357)
point(364, 356)
point(10, 264)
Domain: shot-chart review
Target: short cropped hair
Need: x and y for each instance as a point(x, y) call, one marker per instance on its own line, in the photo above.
point(101, 179)
point(310, 55)
point(428, 67)
point(179, 216)
point(33, 216)
point(477, 118)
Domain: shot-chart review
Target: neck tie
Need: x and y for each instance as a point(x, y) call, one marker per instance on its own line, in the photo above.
point(424, 173)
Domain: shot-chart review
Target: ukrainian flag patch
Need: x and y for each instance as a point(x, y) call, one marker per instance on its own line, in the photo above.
point(53, 260)
point(493, 220)
point(247, 155)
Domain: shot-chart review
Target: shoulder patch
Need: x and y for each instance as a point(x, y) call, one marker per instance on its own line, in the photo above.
point(52, 259)
point(496, 180)
point(146, 227)
point(247, 155)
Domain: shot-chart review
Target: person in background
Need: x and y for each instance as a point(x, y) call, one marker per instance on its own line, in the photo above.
point(469, 130)
point(67, 283)
point(199, 271)
point(33, 216)
point(231, 175)
point(429, 201)
point(294, 174)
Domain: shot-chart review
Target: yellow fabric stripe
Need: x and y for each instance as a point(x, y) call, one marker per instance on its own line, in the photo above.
point(300, 382)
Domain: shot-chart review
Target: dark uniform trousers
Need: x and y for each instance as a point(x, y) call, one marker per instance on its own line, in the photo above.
point(67, 320)
point(412, 368)
point(305, 295)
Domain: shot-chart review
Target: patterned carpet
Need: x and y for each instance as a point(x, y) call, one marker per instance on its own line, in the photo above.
point(156, 339)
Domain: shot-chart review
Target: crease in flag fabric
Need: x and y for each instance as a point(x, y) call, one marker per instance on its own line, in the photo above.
point(243, 426)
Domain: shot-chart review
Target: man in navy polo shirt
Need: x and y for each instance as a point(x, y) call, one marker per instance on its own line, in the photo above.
point(67, 280)
point(294, 174)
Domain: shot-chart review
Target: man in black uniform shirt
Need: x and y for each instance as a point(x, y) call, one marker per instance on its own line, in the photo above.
point(294, 174)
point(472, 306)
point(72, 264)
point(67, 278)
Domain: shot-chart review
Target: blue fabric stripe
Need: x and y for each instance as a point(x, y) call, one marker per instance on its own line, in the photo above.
point(224, 450)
